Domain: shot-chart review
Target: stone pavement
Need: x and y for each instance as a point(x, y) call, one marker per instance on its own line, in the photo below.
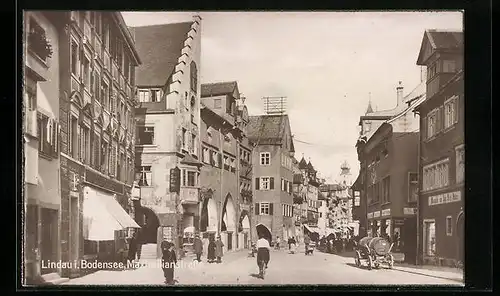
point(284, 268)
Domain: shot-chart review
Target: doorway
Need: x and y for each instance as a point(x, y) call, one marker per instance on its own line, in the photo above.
point(229, 241)
point(460, 237)
point(49, 239)
point(149, 229)
point(409, 240)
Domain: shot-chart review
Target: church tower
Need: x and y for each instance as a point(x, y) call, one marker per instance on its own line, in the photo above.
point(345, 174)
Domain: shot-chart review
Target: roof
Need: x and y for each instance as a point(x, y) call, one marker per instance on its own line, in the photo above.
point(128, 36)
point(310, 166)
point(330, 187)
point(369, 109)
point(268, 129)
point(159, 47)
point(188, 159)
point(218, 88)
point(302, 163)
point(440, 40)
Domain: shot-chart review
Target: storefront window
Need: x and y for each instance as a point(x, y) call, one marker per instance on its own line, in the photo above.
point(430, 238)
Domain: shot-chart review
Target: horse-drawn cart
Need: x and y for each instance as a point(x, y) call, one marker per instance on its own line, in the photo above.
point(374, 251)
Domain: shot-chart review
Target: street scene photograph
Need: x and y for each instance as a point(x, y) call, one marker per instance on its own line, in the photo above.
point(243, 148)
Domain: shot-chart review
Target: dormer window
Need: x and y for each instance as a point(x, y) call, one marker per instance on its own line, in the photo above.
point(150, 95)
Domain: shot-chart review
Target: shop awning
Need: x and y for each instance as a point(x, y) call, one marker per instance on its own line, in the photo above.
point(312, 229)
point(103, 215)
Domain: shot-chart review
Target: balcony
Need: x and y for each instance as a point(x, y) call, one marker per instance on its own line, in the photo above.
point(189, 195)
point(30, 123)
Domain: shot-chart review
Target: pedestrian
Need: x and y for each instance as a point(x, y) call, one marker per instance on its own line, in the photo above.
point(132, 247)
point(211, 250)
point(169, 259)
point(198, 247)
point(218, 249)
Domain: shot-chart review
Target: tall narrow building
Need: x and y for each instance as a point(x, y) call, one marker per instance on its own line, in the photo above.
point(168, 132)
point(273, 175)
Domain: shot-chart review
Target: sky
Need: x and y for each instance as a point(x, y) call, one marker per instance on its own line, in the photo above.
point(327, 64)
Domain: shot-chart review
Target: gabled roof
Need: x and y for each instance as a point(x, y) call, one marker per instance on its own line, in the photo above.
point(310, 166)
point(369, 109)
point(159, 47)
point(440, 40)
point(218, 88)
point(269, 129)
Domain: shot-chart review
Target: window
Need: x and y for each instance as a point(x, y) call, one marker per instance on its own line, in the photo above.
point(413, 187)
point(86, 72)
point(460, 164)
point(429, 237)
point(184, 139)
point(104, 156)
point(194, 77)
point(450, 112)
point(264, 208)
point(205, 157)
point(226, 163)
point(144, 96)
point(37, 39)
point(85, 144)
point(145, 176)
point(449, 66)
point(282, 184)
point(105, 95)
point(449, 226)
point(47, 133)
point(97, 86)
point(145, 135)
point(217, 103)
point(155, 95)
point(189, 178)
point(233, 165)
point(266, 183)
point(386, 189)
point(265, 158)
point(436, 175)
point(75, 61)
point(431, 125)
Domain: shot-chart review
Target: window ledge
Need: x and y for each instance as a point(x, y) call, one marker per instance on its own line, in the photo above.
point(146, 145)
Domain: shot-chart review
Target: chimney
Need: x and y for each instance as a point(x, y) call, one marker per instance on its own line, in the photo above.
point(399, 91)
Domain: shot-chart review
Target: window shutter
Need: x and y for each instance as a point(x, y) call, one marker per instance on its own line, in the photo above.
point(290, 187)
point(271, 208)
point(271, 183)
point(257, 184)
point(257, 208)
point(441, 118)
point(219, 160)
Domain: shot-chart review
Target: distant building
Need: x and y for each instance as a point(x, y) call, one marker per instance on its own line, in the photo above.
point(442, 150)
point(226, 175)
point(273, 174)
point(310, 190)
point(168, 132)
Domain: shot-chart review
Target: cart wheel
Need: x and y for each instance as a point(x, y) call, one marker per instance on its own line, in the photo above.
point(370, 262)
point(357, 260)
point(391, 261)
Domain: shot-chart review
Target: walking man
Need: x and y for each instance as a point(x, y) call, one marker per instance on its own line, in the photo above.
point(198, 247)
point(218, 249)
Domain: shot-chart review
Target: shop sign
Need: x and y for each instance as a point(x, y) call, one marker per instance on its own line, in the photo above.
point(444, 198)
point(369, 215)
point(399, 222)
point(376, 214)
point(386, 212)
point(409, 211)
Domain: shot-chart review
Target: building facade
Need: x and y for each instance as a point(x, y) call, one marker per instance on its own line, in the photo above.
point(226, 182)
point(42, 195)
point(96, 106)
point(442, 150)
point(272, 170)
point(168, 123)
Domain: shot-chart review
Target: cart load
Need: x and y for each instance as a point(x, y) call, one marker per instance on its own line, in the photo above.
point(374, 251)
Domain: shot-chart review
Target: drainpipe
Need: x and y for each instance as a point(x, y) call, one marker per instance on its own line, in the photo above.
point(419, 237)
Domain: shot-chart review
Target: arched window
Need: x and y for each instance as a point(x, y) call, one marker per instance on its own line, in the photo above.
point(194, 77)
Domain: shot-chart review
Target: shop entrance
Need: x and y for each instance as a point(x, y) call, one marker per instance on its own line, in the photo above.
point(49, 239)
point(149, 228)
point(409, 240)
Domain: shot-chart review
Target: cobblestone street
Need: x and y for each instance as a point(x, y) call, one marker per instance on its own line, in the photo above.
point(284, 268)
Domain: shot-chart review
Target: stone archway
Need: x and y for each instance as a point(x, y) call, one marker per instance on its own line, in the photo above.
point(244, 230)
point(149, 223)
point(228, 215)
point(208, 218)
point(263, 231)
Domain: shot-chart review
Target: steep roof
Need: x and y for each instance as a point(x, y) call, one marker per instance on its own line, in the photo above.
point(369, 109)
point(159, 47)
point(302, 163)
point(268, 129)
point(218, 88)
point(439, 40)
point(310, 166)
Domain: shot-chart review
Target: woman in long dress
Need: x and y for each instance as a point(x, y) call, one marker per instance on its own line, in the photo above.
point(211, 251)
